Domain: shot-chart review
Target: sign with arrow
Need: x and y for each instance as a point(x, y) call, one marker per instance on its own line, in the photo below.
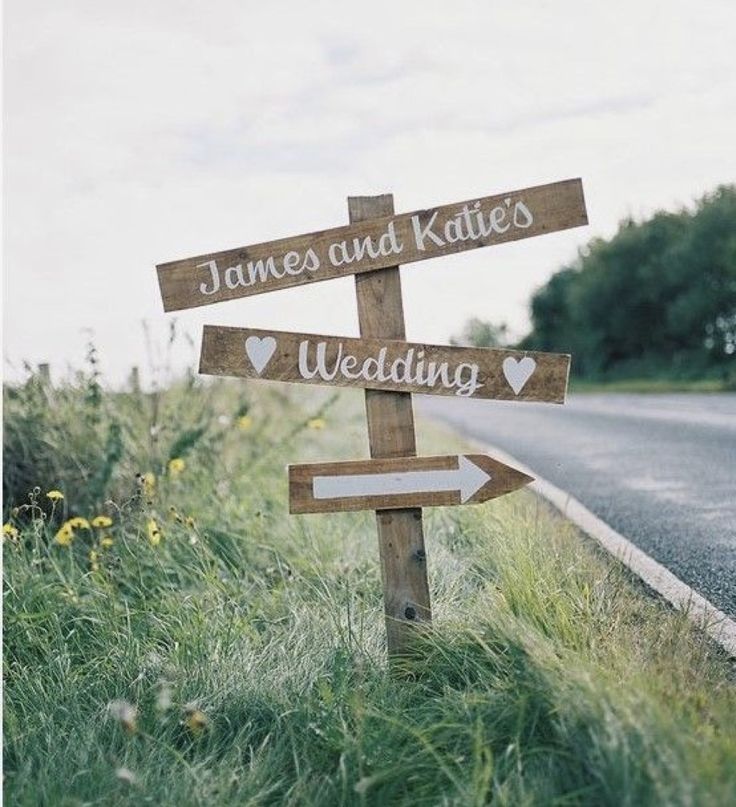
point(371, 244)
point(395, 483)
point(385, 364)
point(398, 483)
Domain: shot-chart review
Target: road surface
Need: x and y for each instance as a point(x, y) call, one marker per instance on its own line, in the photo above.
point(660, 469)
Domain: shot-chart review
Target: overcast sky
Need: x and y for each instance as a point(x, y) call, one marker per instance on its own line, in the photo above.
point(138, 132)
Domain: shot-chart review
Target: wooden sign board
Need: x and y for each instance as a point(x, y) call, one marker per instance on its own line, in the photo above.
point(367, 245)
point(394, 483)
point(384, 364)
point(386, 484)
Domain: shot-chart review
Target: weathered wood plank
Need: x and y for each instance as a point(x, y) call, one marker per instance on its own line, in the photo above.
point(384, 364)
point(390, 417)
point(369, 244)
point(400, 482)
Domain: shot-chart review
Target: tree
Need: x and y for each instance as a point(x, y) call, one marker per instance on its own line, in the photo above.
point(481, 333)
point(660, 296)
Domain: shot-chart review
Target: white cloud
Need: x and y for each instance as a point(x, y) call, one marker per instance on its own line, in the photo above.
point(139, 132)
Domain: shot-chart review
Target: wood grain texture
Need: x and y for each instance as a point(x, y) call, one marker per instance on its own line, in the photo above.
point(554, 207)
point(503, 479)
point(391, 434)
point(224, 353)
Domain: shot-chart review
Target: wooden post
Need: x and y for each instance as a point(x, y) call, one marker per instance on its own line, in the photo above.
point(44, 372)
point(135, 379)
point(391, 434)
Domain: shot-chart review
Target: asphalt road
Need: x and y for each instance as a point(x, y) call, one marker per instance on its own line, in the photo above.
point(660, 469)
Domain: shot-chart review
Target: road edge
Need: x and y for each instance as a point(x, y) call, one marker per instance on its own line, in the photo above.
point(700, 611)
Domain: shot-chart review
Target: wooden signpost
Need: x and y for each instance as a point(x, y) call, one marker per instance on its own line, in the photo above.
point(385, 364)
point(394, 482)
point(328, 487)
point(370, 243)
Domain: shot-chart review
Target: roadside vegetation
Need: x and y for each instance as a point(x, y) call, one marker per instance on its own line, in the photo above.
point(649, 385)
point(174, 637)
point(651, 309)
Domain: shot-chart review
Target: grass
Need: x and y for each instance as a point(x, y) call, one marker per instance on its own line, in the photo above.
point(651, 385)
point(239, 659)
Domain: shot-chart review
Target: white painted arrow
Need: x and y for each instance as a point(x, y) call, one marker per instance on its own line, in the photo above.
point(467, 479)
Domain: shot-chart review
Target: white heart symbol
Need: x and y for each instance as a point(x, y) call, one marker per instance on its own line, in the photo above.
point(259, 351)
point(518, 372)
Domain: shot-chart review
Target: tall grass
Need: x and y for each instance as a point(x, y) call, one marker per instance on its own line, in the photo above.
point(235, 654)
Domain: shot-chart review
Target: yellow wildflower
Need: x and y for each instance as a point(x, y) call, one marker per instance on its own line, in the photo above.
point(196, 719)
point(69, 594)
point(78, 523)
point(55, 495)
point(148, 484)
point(94, 558)
point(9, 531)
point(65, 535)
point(101, 521)
point(106, 541)
point(176, 466)
point(245, 422)
point(190, 523)
point(316, 423)
point(154, 533)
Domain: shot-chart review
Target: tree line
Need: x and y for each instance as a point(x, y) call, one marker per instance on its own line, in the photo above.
point(656, 299)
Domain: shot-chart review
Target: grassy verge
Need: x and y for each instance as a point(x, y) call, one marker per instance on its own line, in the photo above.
point(651, 385)
point(209, 649)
